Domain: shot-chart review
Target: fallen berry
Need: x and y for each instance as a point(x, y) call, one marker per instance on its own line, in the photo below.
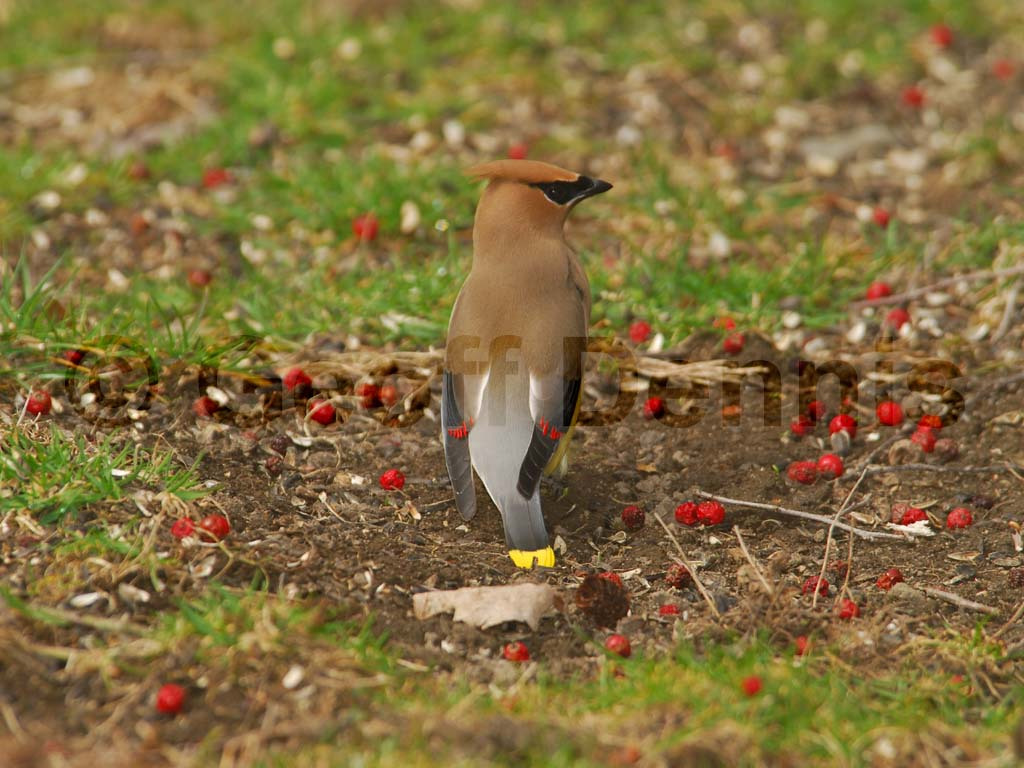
point(365, 227)
point(815, 583)
point(296, 378)
point(633, 518)
point(816, 410)
point(215, 177)
point(848, 609)
point(215, 526)
point(280, 444)
point(182, 527)
point(844, 422)
point(890, 577)
point(611, 576)
point(686, 513)
point(930, 421)
point(913, 515)
point(624, 756)
point(710, 513)
point(39, 403)
point(724, 323)
point(603, 601)
point(668, 609)
point(803, 472)
point(618, 644)
point(138, 171)
point(830, 466)
point(801, 425)
point(881, 217)
point(516, 652)
point(170, 699)
point(654, 407)
point(878, 289)
point(392, 480)
point(924, 438)
point(801, 645)
point(733, 343)
point(321, 411)
point(1002, 69)
point(946, 449)
point(204, 407)
point(751, 685)
point(368, 394)
point(889, 413)
point(388, 394)
point(839, 568)
point(518, 151)
point(274, 465)
point(941, 35)
point(897, 318)
point(959, 518)
point(74, 356)
point(199, 277)
point(678, 576)
point(639, 331)
point(913, 96)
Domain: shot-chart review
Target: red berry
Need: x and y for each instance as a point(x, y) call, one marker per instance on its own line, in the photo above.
point(138, 171)
point(959, 518)
point(518, 151)
point(686, 513)
point(930, 421)
point(913, 96)
point(803, 472)
point(678, 576)
point(724, 323)
point(668, 609)
point(913, 515)
point(897, 318)
point(710, 513)
point(751, 685)
point(199, 277)
point(182, 527)
point(388, 394)
point(368, 394)
point(815, 582)
point(802, 644)
point(801, 425)
point(890, 577)
point(889, 413)
point(74, 356)
point(618, 644)
point(516, 652)
point(39, 403)
point(844, 422)
point(816, 410)
point(942, 35)
point(204, 407)
point(365, 227)
point(830, 466)
point(733, 343)
point(1002, 69)
point(611, 576)
point(321, 411)
point(215, 177)
point(925, 438)
point(633, 517)
point(878, 289)
point(216, 526)
point(848, 609)
point(654, 407)
point(639, 331)
point(392, 480)
point(170, 699)
point(296, 378)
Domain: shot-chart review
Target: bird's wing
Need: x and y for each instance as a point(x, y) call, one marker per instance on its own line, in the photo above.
point(553, 401)
point(455, 427)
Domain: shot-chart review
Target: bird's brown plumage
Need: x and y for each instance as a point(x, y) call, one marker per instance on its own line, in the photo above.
point(516, 340)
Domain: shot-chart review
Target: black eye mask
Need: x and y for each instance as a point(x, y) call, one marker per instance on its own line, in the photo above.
point(563, 192)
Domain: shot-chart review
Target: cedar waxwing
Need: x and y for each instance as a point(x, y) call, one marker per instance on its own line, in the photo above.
point(516, 341)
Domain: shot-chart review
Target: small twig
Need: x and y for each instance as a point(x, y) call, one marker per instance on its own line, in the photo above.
point(805, 515)
point(689, 566)
point(881, 469)
point(970, 605)
point(828, 536)
point(1012, 622)
point(753, 563)
point(981, 274)
point(1008, 312)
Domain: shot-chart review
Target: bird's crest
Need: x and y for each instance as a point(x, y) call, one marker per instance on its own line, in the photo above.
point(523, 171)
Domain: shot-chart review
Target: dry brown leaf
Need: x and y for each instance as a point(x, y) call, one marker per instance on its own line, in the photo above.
point(487, 606)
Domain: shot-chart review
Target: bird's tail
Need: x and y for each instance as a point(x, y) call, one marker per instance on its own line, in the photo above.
point(525, 534)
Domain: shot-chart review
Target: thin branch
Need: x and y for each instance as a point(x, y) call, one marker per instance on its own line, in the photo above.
point(1013, 620)
point(753, 563)
point(828, 536)
point(689, 566)
point(1008, 312)
point(981, 274)
point(970, 605)
point(805, 515)
point(881, 469)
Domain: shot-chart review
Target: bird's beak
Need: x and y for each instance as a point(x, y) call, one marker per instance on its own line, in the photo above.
point(597, 187)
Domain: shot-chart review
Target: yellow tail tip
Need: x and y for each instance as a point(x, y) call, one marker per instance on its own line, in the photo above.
point(530, 558)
